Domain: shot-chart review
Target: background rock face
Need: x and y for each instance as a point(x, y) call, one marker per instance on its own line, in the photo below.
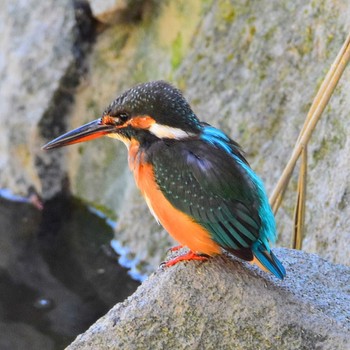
point(251, 69)
point(35, 52)
point(221, 304)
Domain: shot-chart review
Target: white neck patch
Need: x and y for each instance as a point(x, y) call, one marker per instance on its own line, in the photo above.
point(119, 137)
point(163, 131)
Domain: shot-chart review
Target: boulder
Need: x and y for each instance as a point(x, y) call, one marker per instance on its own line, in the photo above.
point(36, 53)
point(226, 304)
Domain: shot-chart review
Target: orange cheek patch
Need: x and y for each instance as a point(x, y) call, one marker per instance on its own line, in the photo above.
point(144, 122)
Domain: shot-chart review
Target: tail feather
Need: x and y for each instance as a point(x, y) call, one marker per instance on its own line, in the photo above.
point(268, 260)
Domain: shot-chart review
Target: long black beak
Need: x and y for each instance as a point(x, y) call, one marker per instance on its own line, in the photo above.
point(84, 133)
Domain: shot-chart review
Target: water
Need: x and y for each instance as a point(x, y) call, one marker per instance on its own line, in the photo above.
point(58, 273)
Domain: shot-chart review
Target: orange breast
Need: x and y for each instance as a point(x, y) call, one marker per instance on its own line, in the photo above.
point(179, 225)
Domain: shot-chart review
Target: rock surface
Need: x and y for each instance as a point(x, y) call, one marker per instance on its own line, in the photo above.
point(35, 53)
point(223, 304)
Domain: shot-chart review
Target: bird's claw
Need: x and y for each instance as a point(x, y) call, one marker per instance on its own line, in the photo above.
point(184, 257)
point(175, 248)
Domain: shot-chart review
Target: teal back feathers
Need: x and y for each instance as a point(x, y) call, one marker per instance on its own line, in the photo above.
point(267, 228)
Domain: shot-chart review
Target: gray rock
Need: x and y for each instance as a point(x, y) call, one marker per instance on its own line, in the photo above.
point(35, 53)
point(224, 304)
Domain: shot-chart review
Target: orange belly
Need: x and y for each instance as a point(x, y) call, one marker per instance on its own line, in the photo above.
point(179, 225)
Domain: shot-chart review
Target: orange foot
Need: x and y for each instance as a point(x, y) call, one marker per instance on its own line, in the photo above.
point(186, 257)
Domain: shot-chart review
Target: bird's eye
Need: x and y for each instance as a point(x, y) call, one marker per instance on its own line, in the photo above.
point(123, 117)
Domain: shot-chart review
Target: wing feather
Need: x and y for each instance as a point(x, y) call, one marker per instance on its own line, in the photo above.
point(207, 184)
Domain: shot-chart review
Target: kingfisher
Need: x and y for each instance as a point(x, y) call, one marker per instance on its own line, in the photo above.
point(194, 178)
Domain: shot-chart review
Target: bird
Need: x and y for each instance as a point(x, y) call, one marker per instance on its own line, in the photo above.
point(194, 178)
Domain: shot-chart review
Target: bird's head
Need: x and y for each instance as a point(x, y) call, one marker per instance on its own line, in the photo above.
point(146, 112)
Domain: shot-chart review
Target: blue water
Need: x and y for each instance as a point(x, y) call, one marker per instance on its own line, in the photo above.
point(126, 259)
